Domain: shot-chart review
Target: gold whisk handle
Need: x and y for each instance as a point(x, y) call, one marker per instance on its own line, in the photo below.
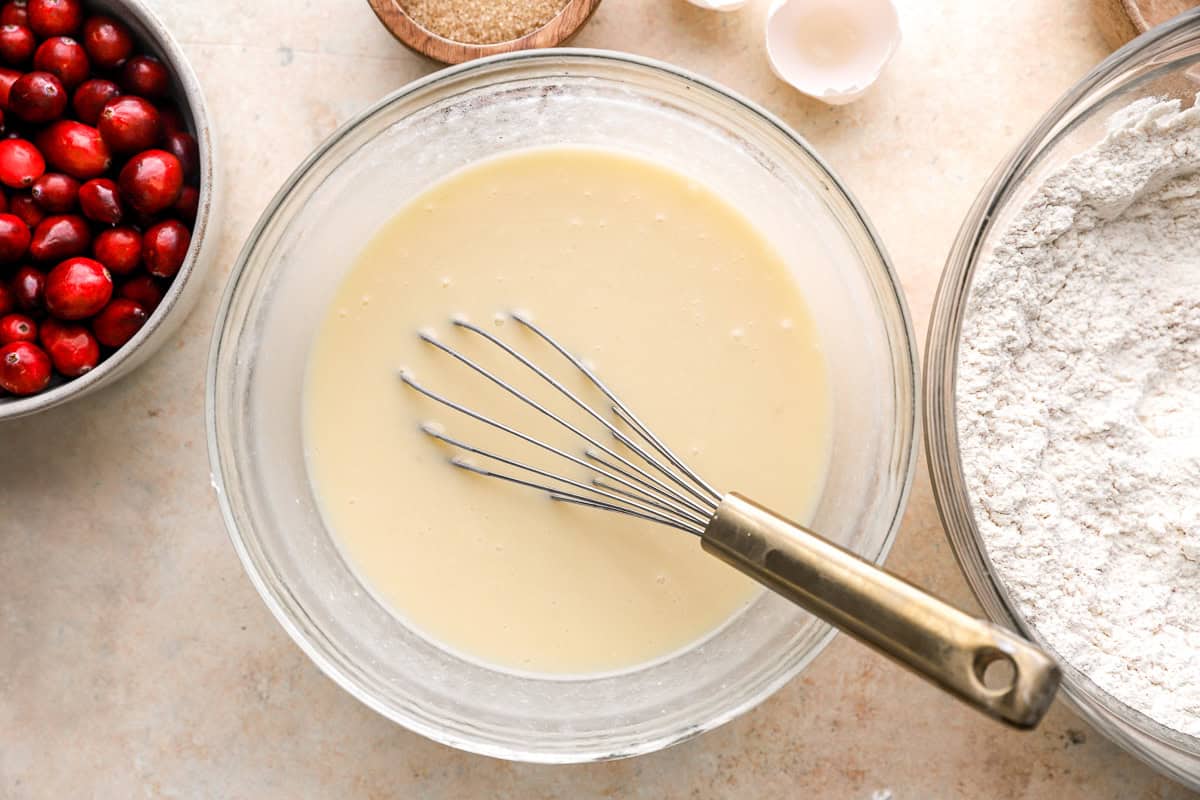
point(949, 648)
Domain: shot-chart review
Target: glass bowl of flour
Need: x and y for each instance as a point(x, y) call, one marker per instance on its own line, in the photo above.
point(1063, 395)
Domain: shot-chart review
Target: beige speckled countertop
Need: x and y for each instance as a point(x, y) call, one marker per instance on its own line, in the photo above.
point(136, 659)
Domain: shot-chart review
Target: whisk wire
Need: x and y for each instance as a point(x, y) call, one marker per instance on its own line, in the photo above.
point(713, 496)
point(594, 456)
point(564, 496)
point(431, 431)
point(661, 487)
point(695, 530)
point(550, 379)
point(637, 492)
point(599, 484)
point(639, 501)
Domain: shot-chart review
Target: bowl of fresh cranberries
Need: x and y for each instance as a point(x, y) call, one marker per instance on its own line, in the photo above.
point(106, 195)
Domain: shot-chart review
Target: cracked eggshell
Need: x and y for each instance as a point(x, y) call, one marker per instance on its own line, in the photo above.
point(832, 50)
point(718, 5)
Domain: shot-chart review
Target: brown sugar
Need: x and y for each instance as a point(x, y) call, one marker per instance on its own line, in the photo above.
point(482, 21)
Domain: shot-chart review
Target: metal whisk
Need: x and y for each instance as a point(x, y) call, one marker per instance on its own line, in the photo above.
point(646, 480)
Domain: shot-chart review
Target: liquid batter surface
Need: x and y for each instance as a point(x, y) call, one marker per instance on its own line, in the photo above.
point(682, 308)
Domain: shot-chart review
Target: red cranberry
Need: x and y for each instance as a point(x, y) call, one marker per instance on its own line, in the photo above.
point(17, 328)
point(15, 12)
point(74, 148)
point(144, 290)
point(55, 193)
point(55, 17)
point(130, 124)
point(119, 249)
point(91, 97)
point(72, 347)
point(107, 41)
point(119, 321)
point(60, 237)
point(101, 201)
point(78, 288)
point(172, 120)
point(150, 181)
point(64, 57)
point(24, 368)
point(188, 204)
point(164, 248)
point(14, 238)
point(8, 301)
point(25, 207)
point(183, 146)
point(3, 202)
point(16, 44)
point(145, 76)
point(21, 164)
point(37, 97)
point(7, 78)
point(29, 289)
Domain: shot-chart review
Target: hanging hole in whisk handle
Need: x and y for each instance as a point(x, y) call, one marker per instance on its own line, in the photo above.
point(995, 670)
point(951, 649)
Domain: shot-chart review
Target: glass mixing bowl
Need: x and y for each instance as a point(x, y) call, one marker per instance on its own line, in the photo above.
point(309, 237)
point(1162, 63)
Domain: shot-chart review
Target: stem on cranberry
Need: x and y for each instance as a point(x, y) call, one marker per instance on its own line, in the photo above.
point(130, 124)
point(119, 321)
point(17, 44)
point(21, 163)
point(24, 368)
point(72, 347)
point(17, 328)
point(108, 41)
point(60, 236)
point(56, 193)
point(165, 247)
point(91, 97)
point(100, 200)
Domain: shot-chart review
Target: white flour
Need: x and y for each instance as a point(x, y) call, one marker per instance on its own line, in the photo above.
point(1079, 411)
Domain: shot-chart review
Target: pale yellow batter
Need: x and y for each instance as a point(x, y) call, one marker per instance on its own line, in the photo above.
point(683, 309)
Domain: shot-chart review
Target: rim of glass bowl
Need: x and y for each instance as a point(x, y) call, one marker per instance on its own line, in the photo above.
point(901, 342)
point(1096, 705)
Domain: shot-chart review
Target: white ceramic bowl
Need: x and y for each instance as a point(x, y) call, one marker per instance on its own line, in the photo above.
point(152, 37)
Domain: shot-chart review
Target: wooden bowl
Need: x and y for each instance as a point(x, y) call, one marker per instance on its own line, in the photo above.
point(558, 30)
point(1122, 20)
